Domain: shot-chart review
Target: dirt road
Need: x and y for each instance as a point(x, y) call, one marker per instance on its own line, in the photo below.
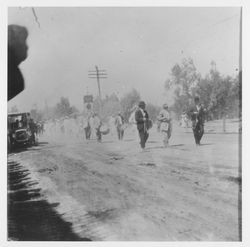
point(113, 191)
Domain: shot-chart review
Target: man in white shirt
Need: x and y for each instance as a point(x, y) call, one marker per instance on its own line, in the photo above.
point(165, 124)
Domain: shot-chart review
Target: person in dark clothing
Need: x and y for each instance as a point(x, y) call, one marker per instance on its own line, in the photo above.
point(197, 114)
point(141, 118)
point(17, 52)
point(87, 130)
point(86, 124)
point(33, 130)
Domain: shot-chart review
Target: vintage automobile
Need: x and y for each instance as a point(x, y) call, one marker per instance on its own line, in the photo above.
point(19, 130)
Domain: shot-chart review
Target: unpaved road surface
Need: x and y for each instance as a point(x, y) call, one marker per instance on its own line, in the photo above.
point(114, 191)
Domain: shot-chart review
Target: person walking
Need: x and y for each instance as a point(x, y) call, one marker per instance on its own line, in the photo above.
point(87, 128)
point(96, 126)
point(119, 123)
point(33, 130)
point(111, 124)
point(165, 124)
point(141, 118)
point(184, 120)
point(197, 114)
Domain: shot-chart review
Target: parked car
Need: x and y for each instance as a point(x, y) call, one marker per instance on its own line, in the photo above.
point(20, 131)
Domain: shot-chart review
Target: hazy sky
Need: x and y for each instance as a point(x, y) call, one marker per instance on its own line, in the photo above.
point(136, 46)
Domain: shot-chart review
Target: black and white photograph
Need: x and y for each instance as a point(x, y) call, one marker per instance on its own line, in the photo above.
point(124, 123)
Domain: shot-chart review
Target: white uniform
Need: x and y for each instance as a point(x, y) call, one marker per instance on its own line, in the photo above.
point(166, 126)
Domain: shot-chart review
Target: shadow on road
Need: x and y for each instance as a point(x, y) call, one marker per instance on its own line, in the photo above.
point(30, 217)
point(128, 140)
point(42, 143)
point(107, 141)
point(170, 146)
point(156, 147)
point(24, 148)
point(177, 145)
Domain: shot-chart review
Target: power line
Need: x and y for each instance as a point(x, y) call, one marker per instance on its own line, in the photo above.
point(226, 19)
point(200, 28)
point(98, 74)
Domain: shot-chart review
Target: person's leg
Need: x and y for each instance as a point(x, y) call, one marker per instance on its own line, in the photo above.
point(33, 137)
point(142, 138)
point(139, 137)
point(122, 134)
point(165, 138)
point(146, 135)
point(86, 133)
point(201, 132)
point(118, 132)
point(196, 130)
point(89, 132)
point(195, 136)
point(98, 134)
point(169, 131)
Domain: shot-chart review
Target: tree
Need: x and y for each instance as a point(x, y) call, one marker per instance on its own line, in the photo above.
point(235, 97)
point(37, 115)
point(107, 107)
point(63, 108)
point(219, 94)
point(184, 79)
point(153, 111)
point(128, 101)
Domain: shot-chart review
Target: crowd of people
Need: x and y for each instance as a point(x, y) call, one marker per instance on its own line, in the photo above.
point(90, 125)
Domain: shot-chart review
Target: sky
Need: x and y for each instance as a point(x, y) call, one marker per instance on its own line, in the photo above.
point(137, 46)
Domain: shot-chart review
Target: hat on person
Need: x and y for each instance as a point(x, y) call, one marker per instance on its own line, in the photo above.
point(141, 103)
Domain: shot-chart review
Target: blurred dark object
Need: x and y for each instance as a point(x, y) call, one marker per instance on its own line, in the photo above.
point(17, 52)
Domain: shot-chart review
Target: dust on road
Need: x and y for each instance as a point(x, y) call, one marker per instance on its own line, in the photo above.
point(113, 191)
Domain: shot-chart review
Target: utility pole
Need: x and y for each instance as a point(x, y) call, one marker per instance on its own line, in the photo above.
point(98, 74)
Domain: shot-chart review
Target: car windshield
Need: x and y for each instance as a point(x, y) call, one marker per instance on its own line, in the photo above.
point(17, 121)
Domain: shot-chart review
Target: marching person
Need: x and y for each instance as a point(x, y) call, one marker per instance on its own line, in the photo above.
point(87, 122)
point(165, 124)
point(197, 114)
point(87, 130)
point(87, 127)
point(119, 123)
point(96, 126)
point(33, 130)
point(184, 120)
point(141, 117)
point(111, 123)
